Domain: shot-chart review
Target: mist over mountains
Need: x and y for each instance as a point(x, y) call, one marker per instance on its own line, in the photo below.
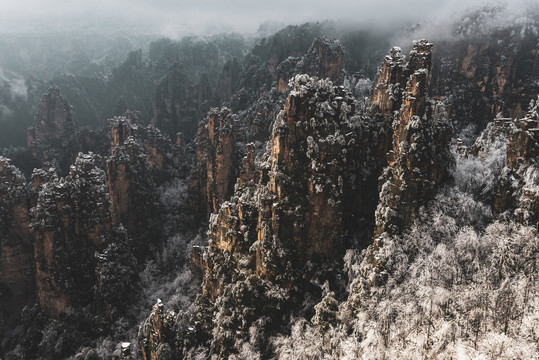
point(279, 180)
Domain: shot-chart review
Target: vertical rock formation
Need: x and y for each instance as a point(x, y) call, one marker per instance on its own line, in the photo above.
point(387, 94)
point(518, 187)
point(295, 207)
point(324, 59)
point(178, 102)
point(393, 76)
point(70, 217)
point(314, 146)
point(159, 151)
point(16, 260)
point(156, 334)
point(291, 209)
point(487, 75)
point(228, 81)
point(54, 123)
point(523, 143)
point(248, 174)
point(77, 221)
point(420, 158)
point(130, 183)
point(56, 140)
point(212, 180)
point(121, 128)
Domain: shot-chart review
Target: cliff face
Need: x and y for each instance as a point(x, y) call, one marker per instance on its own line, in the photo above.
point(518, 187)
point(315, 142)
point(291, 210)
point(52, 137)
point(324, 59)
point(16, 266)
point(487, 75)
point(419, 159)
point(156, 334)
point(130, 183)
point(212, 180)
point(217, 162)
point(67, 230)
point(101, 215)
point(228, 81)
point(177, 104)
point(54, 123)
point(387, 94)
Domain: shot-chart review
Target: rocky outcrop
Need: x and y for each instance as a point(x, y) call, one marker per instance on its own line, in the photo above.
point(165, 334)
point(324, 59)
point(297, 208)
point(155, 335)
point(212, 180)
point(16, 256)
point(297, 211)
point(69, 220)
point(197, 262)
point(523, 144)
point(78, 221)
point(391, 84)
point(248, 174)
point(160, 152)
point(179, 103)
point(121, 128)
point(419, 159)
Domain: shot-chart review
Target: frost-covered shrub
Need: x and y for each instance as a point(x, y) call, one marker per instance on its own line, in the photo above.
point(326, 312)
point(457, 282)
point(239, 308)
point(478, 175)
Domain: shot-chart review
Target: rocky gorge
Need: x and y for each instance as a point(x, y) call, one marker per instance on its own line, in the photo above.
point(279, 203)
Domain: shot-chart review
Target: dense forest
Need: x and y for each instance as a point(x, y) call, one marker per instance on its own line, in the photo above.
point(323, 190)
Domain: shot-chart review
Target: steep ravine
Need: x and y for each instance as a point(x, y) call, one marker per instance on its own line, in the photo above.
point(299, 219)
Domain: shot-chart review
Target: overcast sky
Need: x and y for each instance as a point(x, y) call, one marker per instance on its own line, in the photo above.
point(168, 16)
